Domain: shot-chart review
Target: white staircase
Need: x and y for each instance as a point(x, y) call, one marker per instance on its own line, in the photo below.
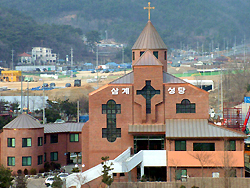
point(121, 164)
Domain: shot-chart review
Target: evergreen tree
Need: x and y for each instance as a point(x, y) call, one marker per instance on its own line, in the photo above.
point(5, 177)
point(106, 177)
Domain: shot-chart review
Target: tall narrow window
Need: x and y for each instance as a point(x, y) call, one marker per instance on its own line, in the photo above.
point(26, 142)
point(111, 109)
point(155, 54)
point(11, 142)
point(133, 54)
point(40, 141)
point(45, 139)
point(39, 159)
point(185, 107)
point(165, 55)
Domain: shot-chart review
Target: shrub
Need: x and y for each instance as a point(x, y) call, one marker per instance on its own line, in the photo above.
point(182, 186)
point(19, 172)
point(76, 169)
point(26, 172)
point(194, 187)
point(57, 182)
point(41, 170)
point(33, 171)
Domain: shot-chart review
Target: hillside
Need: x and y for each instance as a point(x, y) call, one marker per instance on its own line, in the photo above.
point(177, 21)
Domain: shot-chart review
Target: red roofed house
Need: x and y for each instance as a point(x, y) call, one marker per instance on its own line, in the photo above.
point(24, 59)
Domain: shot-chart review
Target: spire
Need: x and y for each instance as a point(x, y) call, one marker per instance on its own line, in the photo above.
point(149, 39)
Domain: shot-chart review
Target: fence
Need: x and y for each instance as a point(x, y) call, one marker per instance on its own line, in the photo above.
point(191, 182)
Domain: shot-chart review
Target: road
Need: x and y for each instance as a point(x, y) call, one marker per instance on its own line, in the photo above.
point(36, 183)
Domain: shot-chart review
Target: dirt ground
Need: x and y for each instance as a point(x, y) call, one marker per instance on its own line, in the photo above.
point(63, 93)
point(74, 93)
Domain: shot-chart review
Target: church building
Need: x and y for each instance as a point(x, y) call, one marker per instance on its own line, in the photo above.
point(152, 123)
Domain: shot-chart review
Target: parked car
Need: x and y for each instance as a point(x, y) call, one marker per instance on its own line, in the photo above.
point(45, 85)
point(68, 85)
point(49, 180)
point(62, 175)
point(52, 84)
point(77, 83)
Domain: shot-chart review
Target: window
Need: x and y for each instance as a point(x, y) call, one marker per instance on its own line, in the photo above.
point(54, 156)
point(185, 107)
point(53, 138)
point(45, 139)
point(165, 55)
point(26, 161)
point(247, 147)
point(141, 52)
point(230, 145)
point(26, 142)
point(111, 109)
point(155, 54)
point(74, 137)
point(180, 145)
point(133, 54)
point(11, 161)
point(204, 147)
point(39, 159)
point(11, 142)
point(44, 156)
point(122, 174)
point(40, 141)
point(148, 92)
point(179, 173)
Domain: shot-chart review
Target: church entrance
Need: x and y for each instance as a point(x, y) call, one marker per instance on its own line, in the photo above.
point(148, 143)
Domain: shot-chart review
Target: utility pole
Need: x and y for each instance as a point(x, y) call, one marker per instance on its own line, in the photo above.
point(97, 64)
point(78, 112)
point(43, 105)
point(21, 111)
point(28, 97)
point(71, 58)
point(12, 59)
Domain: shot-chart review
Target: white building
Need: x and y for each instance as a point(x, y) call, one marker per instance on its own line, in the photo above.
point(42, 55)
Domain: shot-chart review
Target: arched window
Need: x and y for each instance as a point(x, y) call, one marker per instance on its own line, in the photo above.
point(185, 107)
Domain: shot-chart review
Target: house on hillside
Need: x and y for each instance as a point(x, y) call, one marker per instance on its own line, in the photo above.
point(24, 59)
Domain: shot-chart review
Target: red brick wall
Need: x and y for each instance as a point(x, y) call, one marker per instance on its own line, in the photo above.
point(63, 146)
point(18, 152)
point(98, 147)
point(193, 94)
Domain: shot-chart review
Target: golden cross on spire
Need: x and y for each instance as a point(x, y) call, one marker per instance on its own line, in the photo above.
point(149, 9)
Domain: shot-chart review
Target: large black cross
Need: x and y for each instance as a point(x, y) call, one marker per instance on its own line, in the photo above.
point(111, 132)
point(148, 92)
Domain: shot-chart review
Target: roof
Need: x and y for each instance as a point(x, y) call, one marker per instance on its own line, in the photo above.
point(24, 55)
point(129, 79)
point(126, 79)
point(149, 39)
point(148, 58)
point(169, 78)
point(23, 121)
point(63, 127)
point(193, 128)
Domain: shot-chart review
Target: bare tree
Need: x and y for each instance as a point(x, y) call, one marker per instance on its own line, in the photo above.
point(204, 158)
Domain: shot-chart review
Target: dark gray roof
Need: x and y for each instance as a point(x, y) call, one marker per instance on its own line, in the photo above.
point(126, 79)
point(129, 79)
point(169, 78)
point(198, 128)
point(149, 39)
point(63, 127)
point(23, 121)
point(148, 58)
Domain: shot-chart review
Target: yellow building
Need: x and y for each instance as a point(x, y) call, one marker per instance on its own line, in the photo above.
point(11, 76)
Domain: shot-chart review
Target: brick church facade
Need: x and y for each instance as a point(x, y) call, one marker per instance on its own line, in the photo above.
point(161, 117)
